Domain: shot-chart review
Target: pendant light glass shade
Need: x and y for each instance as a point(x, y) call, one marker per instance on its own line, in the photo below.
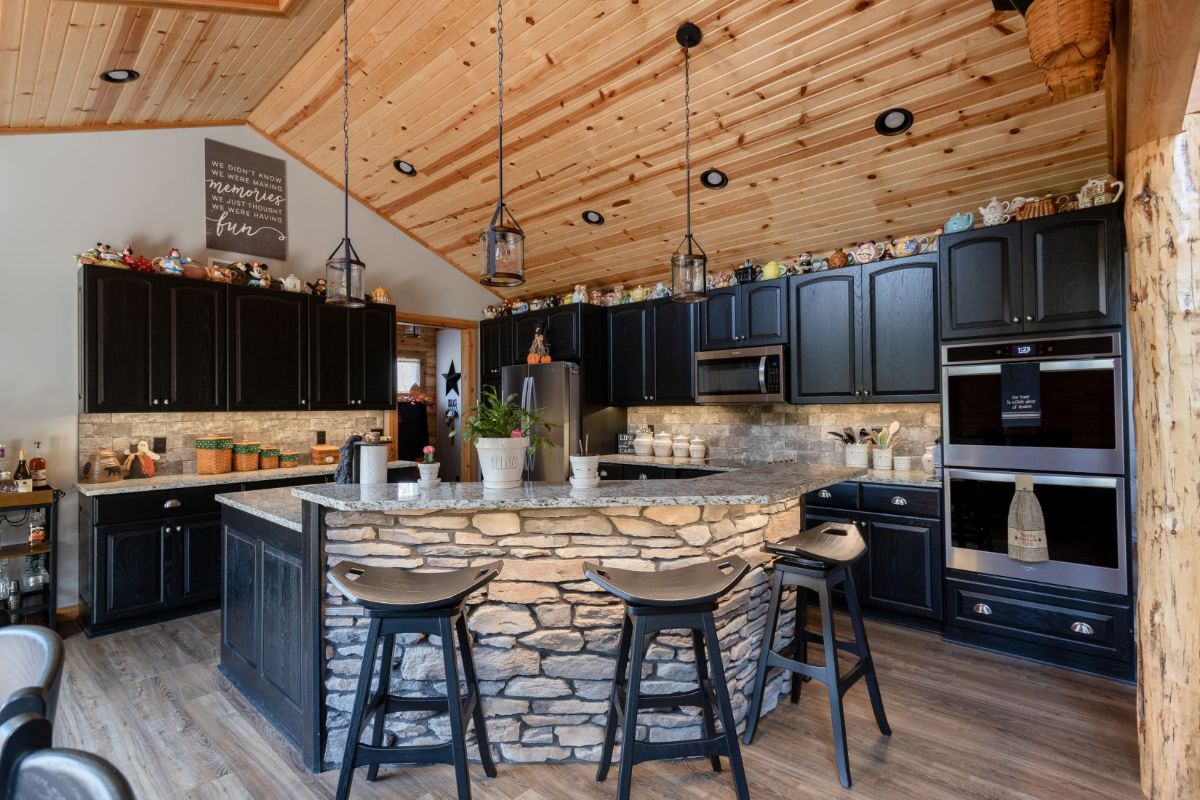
point(502, 243)
point(344, 280)
point(343, 268)
point(689, 264)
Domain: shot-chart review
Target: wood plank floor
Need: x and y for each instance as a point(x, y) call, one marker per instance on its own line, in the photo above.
point(966, 724)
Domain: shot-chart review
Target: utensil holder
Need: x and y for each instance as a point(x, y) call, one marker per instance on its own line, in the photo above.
point(881, 458)
point(856, 455)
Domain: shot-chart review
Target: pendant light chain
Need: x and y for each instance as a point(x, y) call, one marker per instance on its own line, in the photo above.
point(500, 89)
point(346, 121)
point(687, 138)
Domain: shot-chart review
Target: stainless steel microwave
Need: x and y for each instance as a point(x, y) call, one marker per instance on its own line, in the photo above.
point(741, 375)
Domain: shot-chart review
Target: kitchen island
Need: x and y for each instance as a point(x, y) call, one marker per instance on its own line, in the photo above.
point(545, 635)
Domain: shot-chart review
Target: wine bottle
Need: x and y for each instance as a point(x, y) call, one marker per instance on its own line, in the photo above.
point(21, 476)
point(37, 468)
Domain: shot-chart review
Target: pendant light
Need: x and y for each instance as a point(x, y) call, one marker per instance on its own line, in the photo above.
point(502, 245)
point(689, 264)
point(344, 273)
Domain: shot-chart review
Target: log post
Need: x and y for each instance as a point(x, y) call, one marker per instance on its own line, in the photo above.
point(1163, 229)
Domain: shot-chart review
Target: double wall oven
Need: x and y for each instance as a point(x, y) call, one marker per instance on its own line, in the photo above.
point(1068, 436)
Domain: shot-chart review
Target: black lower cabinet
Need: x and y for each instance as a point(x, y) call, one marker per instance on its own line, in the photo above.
point(642, 472)
point(134, 565)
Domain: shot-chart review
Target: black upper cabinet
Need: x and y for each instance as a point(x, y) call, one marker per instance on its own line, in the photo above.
point(745, 315)
point(981, 282)
point(353, 356)
point(899, 329)
point(268, 350)
point(378, 356)
point(330, 378)
point(1072, 269)
point(563, 328)
point(150, 342)
point(1054, 273)
point(826, 340)
point(631, 357)
point(495, 349)
point(866, 333)
point(674, 334)
point(525, 326)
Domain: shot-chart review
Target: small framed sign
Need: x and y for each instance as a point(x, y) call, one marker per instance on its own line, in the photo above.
point(245, 201)
point(625, 443)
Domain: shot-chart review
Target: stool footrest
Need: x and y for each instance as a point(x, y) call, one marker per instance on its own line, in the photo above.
point(690, 748)
point(366, 755)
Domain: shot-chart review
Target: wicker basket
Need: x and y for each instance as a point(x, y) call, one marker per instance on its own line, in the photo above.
point(288, 459)
point(214, 455)
point(1068, 40)
point(268, 457)
point(245, 456)
point(324, 454)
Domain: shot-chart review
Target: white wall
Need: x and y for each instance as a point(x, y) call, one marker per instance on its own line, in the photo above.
point(61, 193)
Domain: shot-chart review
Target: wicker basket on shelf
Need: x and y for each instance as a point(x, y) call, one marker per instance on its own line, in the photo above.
point(214, 455)
point(268, 457)
point(288, 459)
point(324, 454)
point(245, 456)
point(1068, 41)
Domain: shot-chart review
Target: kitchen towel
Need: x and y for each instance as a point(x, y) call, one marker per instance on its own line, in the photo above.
point(1020, 395)
point(1026, 525)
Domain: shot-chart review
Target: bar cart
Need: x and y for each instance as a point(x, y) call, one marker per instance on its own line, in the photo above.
point(28, 562)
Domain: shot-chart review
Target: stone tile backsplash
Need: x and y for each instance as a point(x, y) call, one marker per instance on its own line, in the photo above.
point(290, 430)
point(777, 431)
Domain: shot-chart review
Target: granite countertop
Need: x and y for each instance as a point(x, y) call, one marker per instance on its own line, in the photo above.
point(276, 505)
point(918, 477)
point(179, 481)
point(750, 485)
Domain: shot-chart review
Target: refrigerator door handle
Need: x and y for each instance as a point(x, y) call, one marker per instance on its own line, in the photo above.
point(529, 403)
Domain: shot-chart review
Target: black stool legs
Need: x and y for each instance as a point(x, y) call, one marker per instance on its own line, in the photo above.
point(794, 658)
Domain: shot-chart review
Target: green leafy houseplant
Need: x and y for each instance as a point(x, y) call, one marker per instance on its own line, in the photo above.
point(499, 417)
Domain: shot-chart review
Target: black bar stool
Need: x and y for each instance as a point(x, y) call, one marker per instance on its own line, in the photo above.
point(818, 559)
point(683, 598)
point(404, 601)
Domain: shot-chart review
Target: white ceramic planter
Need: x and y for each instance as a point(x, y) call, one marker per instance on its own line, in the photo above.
point(428, 471)
point(585, 471)
point(856, 455)
point(502, 461)
point(881, 458)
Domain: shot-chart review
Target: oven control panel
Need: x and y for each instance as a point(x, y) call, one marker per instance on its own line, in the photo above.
point(1099, 346)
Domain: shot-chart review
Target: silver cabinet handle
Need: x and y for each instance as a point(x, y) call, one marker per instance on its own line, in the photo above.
point(899, 501)
point(1029, 318)
point(166, 402)
point(172, 503)
point(865, 392)
point(178, 528)
point(1016, 319)
point(302, 401)
point(603, 473)
point(858, 394)
point(642, 476)
point(154, 402)
point(1082, 628)
point(983, 609)
point(824, 494)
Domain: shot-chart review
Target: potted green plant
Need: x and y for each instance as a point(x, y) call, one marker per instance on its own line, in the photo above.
point(503, 432)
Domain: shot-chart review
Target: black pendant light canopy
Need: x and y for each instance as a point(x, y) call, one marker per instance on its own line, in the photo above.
point(689, 264)
point(344, 273)
point(502, 244)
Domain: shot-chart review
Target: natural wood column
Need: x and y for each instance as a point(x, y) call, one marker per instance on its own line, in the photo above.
point(1163, 228)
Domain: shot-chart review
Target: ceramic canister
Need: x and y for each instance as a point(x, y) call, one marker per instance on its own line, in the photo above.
point(679, 446)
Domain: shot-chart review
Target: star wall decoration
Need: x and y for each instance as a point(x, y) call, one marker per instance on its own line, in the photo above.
point(451, 375)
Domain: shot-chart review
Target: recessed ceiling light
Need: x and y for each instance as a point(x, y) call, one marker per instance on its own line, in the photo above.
point(894, 121)
point(404, 168)
point(120, 75)
point(593, 217)
point(713, 179)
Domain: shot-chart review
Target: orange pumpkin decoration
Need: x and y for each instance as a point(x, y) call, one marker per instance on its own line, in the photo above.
point(532, 358)
point(544, 359)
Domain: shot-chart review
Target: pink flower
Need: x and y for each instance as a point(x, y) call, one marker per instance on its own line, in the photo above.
point(427, 449)
point(518, 433)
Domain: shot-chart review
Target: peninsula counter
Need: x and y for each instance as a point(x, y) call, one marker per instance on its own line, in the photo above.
point(545, 636)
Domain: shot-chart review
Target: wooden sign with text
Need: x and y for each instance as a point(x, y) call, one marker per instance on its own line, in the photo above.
point(245, 201)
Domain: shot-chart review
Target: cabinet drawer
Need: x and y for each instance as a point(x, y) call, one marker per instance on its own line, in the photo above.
point(1082, 626)
point(840, 495)
point(159, 504)
point(611, 472)
point(905, 500)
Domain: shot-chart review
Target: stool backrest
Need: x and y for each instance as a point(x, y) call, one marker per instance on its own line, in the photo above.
point(30, 769)
point(33, 658)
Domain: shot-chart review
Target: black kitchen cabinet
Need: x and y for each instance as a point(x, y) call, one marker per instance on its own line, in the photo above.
point(134, 561)
point(150, 342)
point(495, 349)
point(1054, 273)
point(353, 356)
point(746, 315)
point(652, 352)
point(865, 333)
point(198, 553)
point(525, 327)
point(268, 350)
point(563, 331)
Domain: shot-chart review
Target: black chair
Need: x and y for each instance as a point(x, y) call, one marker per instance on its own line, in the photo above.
point(818, 559)
point(683, 598)
point(30, 769)
point(33, 658)
point(404, 601)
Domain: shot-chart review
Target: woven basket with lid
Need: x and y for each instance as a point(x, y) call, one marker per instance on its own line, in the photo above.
point(214, 454)
point(288, 458)
point(268, 457)
point(245, 456)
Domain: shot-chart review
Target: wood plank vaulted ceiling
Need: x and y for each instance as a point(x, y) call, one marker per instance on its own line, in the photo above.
point(784, 95)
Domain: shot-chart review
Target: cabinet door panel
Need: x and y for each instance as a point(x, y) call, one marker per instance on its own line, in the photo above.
point(117, 332)
point(240, 604)
point(674, 333)
point(135, 569)
point(765, 310)
point(1072, 270)
point(189, 345)
point(900, 344)
point(378, 357)
point(825, 349)
point(628, 354)
point(903, 572)
point(981, 282)
point(562, 333)
point(330, 348)
point(495, 342)
point(283, 642)
point(719, 319)
point(524, 327)
point(200, 562)
point(268, 349)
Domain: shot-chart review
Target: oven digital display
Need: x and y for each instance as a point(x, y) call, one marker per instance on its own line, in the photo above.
point(1022, 349)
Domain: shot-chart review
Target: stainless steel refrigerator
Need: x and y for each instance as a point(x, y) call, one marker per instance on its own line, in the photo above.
point(551, 390)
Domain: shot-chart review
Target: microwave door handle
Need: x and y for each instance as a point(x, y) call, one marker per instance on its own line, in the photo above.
point(762, 374)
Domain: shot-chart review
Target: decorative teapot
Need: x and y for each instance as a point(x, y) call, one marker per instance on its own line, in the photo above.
point(662, 445)
point(643, 442)
point(909, 246)
point(660, 290)
point(838, 259)
point(867, 252)
point(172, 263)
point(220, 274)
point(580, 295)
point(638, 293)
point(1096, 192)
point(771, 270)
point(962, 221)
point(381, 295)
point(293, 284)
point(996, 212)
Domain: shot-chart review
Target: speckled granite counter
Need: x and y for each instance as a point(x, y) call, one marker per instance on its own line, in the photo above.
point(893, 477)
point(277, 505)
point(180, 481)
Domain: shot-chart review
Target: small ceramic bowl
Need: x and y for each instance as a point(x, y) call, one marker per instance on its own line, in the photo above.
point(903, 463)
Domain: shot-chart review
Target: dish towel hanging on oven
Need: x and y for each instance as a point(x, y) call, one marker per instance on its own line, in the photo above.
point(1026, 525)
point(1020, 395)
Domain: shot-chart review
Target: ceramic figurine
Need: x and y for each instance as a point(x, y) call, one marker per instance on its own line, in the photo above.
point(293, 284)
point(820, 265)
point(172, 263)
point(639, 293)
point(520, 307)
point(102, 255)
point(318, 289)
point(136, 263)
point(597, 298)
point(580, 295)
point(490, 312)
point(660, 290)
point(962, 221)
point(535, 304)
point(220, 274)
point(380, 295)
point(1096, 192)
point(771, 270)
point(241, 273)
point(257, 275)
point(553, 301)
point(805, 261)
point(867, 252)
point(838, 259)
point(139, 463)
point(995, 212)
